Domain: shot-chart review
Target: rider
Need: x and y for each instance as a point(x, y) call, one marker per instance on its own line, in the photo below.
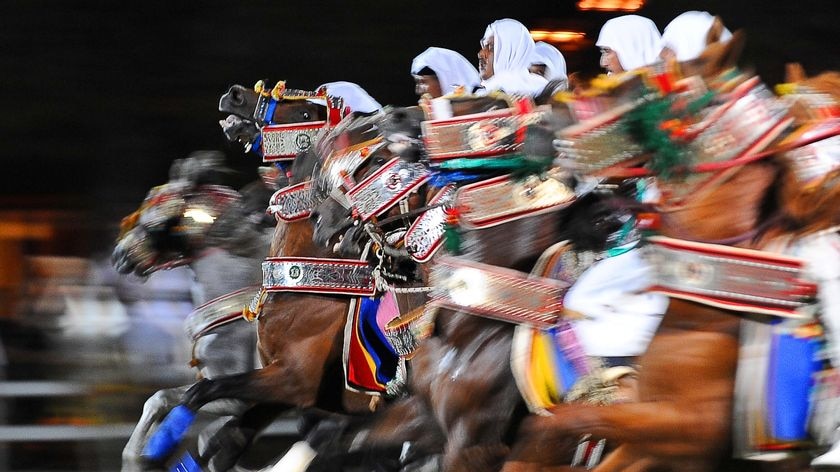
point(439, 71)
point(685, 36)
point(355, 97)
point(628, 42)
point(504, 59)
point(618, 319)
point(548, 62)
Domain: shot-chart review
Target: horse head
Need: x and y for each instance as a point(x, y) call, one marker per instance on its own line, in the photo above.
point(172, 224)
point(251, 109)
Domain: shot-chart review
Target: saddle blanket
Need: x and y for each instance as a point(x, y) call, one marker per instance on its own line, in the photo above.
point(370, 362)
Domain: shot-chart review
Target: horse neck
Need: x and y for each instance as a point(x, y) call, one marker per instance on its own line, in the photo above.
point(514, 245)
point(726, 210)
point(219, 272)
point(295, 239)
point(685, 316)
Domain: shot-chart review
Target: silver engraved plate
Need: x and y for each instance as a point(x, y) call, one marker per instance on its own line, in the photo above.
point(284, 142)
point(481, 134)
point(731, 278)
point(387, 186)
point(218, 312)
point(425, 235)
point(814, 161)
point(315, 275)
point(599, 142)
point(493, 292)
point(502, 199)
point(342, 164)
point(740, 125)
point(292, 203)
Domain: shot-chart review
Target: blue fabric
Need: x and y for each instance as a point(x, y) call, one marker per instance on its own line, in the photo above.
point(793, 363)
point(186, 464)
point(375, 342)
point(255, 147)
point(169, 434)
point(564, 369)
point(269, 112)
point(441, 179)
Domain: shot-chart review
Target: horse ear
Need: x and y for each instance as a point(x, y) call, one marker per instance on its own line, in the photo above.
point(715, 31)
point(794, 73)
point(728, 54)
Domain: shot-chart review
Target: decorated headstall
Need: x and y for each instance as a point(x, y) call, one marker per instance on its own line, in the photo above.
point(477, 145)
point(686, 132)
point(282, 142)
point(171, 224)
point(491, 133)
point(813, 150)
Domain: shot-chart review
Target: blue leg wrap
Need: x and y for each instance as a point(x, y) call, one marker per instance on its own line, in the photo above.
point(170, 432)
point(186, 464)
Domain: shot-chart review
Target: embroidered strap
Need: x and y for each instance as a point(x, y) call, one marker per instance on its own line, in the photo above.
point(501, 199)
point(284, 142)
point(725, 277)
point(217, 312)
point(312, 275)
point(814, 161)
point(292, 203)
point(387, 186)
point(497, 293)
point(425, 236)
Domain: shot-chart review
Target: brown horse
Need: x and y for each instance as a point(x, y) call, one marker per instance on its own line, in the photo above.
point(683, 419)
point(461, 383)
point(300, 334)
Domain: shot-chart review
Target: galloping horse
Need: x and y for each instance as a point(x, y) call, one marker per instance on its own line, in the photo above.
point(212, 228)
point(684, 417)
point(461, 384)
point(300, 333)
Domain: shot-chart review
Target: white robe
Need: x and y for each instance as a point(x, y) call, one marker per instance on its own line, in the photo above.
point(635, 39)
point(552, 59)
point(686, 34)
point(513, 49)
point(452, 69)
point(620, 319)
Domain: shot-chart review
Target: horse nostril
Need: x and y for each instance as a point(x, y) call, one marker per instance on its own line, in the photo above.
point(236, 97)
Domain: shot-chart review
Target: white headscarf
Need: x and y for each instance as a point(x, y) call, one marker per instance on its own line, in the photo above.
point(452, 69)
point(686, 34)
point(355, 97)
point(512, 52)
point(635, 39)
point(552, 58)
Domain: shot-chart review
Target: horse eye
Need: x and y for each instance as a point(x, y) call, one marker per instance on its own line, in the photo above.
point(305, 115)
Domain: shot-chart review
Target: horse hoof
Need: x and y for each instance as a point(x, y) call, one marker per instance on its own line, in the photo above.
point(169, 433)
point(829, 460)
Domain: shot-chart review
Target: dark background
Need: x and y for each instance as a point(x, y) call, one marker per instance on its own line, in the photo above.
point(100, 96)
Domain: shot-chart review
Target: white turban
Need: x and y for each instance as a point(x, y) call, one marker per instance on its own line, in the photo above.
point(686, 34)
point(513, 49)
point(452, 69)
point(548, 55)
point(355, 97)
point(635, 39)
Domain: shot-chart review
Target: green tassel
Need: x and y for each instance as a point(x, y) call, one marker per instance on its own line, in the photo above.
point(452, 240)
point(643, 123)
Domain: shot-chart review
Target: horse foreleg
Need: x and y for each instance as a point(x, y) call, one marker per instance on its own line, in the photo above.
point(221, 447)
point(154, 410)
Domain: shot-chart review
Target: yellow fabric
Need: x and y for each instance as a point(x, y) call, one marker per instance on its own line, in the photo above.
point(545, 386)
